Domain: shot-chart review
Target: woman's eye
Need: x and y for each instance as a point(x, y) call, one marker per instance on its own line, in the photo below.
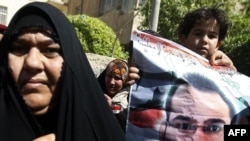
point(18, 50)
point(117, 78)
point(51, 52)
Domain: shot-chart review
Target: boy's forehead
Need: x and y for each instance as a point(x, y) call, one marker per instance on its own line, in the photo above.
point(207, 22)
point(210, 24)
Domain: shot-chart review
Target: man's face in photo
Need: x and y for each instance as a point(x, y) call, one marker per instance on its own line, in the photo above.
point(196, 115)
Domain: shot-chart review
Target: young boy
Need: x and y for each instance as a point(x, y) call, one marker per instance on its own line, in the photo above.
point(203, 31)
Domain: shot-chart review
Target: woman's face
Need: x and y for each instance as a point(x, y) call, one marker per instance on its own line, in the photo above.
point(35, 63)
point(114, 84)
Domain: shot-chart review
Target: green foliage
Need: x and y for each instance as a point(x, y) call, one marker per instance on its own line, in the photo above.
point(246, 10)
point(235, 45)
point(97, 37)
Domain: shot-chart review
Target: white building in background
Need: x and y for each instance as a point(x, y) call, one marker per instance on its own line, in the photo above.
point(118, 14)
point(9, 7)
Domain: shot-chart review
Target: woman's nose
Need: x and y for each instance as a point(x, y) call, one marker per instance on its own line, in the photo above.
point(112, 80)
point(33, 60)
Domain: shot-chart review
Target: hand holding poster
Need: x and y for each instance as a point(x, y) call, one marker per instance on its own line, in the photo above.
point(180, 96)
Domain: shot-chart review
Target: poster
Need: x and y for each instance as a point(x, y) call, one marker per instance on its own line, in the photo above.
point(180, 96)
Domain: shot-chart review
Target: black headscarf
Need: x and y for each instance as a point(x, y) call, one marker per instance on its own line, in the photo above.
point(80, 112)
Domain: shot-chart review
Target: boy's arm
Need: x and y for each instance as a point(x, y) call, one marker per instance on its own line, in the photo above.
point(221, 59)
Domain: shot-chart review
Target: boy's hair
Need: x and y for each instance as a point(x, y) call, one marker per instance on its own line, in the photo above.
point(205, 13)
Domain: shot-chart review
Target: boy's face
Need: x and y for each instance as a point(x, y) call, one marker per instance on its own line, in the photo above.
point(203, 38)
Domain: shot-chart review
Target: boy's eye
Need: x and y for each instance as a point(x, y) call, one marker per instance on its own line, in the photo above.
point(197, 34)
point(212, 36)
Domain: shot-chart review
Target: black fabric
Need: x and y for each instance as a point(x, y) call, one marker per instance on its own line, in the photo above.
point(81, 112)
point(101, 80)
point(122, 119)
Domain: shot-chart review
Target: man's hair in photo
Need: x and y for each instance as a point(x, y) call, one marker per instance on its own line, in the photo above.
point(202, 83)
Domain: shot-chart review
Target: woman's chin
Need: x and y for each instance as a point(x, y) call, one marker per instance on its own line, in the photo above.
point(39, 112)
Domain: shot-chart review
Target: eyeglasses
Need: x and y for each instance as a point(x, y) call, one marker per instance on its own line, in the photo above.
point(191, 128)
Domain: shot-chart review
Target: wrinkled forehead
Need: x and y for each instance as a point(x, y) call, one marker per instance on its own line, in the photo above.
point(34, 30)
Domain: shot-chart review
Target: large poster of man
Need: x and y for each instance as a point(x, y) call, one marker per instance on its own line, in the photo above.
point(180, 97)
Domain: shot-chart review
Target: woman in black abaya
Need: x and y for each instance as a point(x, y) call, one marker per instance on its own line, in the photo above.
point(77, 109)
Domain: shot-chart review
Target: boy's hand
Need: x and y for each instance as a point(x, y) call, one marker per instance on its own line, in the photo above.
point(221, 59)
